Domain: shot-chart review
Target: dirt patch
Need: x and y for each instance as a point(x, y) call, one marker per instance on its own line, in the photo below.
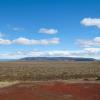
point(51, 91)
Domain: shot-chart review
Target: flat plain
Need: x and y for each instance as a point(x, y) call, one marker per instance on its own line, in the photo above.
point(50, 80)
point(47, 70)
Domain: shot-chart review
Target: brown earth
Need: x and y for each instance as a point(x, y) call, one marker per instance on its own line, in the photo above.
point(51, 91)
point(48, 70)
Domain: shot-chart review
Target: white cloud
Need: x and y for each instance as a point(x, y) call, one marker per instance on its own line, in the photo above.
point(85, 43)
point(22, 41)
point(48, 31)
point(91, 22)
point(97, 39)
point(5, 42)
point(88, 43)
point(26, 41)
point(92, 50)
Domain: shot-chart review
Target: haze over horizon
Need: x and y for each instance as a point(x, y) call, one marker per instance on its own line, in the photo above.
point(49, 28)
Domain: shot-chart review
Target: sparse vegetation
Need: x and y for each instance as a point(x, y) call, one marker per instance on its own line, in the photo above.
point(13, 71)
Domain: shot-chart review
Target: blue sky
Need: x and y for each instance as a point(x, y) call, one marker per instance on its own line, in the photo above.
point(49, 28)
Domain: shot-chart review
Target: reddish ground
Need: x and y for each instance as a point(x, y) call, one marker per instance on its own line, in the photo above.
point(51, 91)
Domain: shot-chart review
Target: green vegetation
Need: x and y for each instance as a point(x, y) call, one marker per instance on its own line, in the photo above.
point(12, 71)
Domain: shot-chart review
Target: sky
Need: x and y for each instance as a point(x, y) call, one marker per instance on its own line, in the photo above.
point(51, 28)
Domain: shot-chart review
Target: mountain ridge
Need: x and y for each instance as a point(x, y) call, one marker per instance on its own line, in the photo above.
point(56, 59)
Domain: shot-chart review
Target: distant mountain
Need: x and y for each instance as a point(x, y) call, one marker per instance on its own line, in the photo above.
point(56, 59)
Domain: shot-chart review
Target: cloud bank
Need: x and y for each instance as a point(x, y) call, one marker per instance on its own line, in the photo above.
point(86, 52)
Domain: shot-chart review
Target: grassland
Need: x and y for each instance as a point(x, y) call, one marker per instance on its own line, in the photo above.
point(34, 71)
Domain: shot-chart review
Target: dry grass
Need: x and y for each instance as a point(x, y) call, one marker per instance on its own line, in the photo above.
point(31, 71)
point(6, 83)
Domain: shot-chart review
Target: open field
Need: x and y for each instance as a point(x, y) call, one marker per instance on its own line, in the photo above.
point(34, 71)
point(49, 80)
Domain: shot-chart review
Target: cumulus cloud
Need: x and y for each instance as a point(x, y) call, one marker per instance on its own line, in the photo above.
point(91, 22)
point(26, 41)
point(89, 43)
point(22, 41)
point(48, 31)
point(5, 42)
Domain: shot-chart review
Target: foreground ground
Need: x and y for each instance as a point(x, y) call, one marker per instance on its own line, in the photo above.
point(55, 90)
point(36, 80)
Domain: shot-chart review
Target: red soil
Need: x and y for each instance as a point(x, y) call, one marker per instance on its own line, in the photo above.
point(51, 91)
